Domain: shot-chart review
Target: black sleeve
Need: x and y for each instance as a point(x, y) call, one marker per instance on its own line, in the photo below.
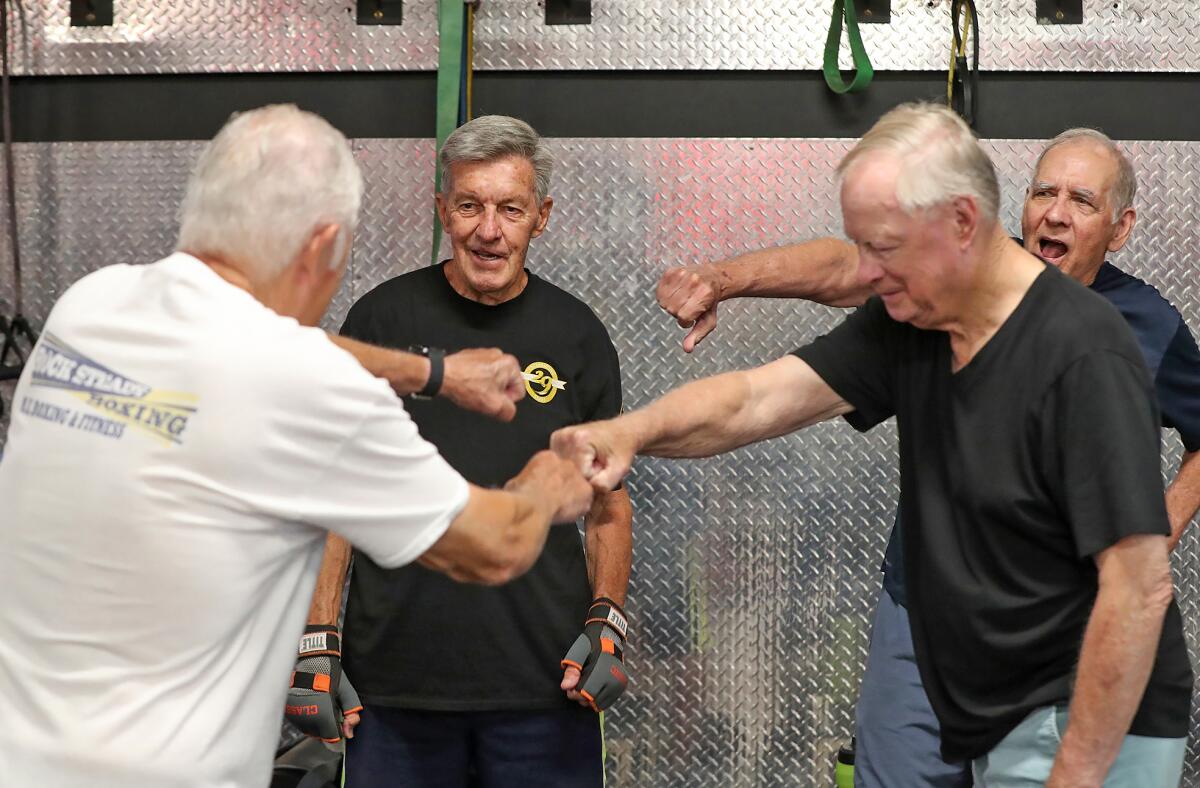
point(1100, 439)
point(1178, 387)
point(602, 395)
point(854, 360)
point(356, 324)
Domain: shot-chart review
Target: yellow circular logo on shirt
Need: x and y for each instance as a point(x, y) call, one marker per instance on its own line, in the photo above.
point(541, 381)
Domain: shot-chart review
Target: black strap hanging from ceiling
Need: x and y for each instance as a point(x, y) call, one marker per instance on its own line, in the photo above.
point(18, 336)
point(962, 84)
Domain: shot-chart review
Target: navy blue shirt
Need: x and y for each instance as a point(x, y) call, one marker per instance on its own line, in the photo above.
point(1171, 356)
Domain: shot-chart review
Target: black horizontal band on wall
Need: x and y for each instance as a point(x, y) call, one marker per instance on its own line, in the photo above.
point(1021, 105)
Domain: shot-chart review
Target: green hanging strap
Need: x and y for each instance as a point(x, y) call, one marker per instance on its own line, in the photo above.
point(449, 82)
point(863, 73)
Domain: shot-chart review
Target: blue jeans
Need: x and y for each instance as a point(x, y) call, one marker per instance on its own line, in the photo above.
point(560, 748)
point(899, 739)
point(1024, 757)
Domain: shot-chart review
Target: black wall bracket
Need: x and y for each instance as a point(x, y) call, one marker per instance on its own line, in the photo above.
point(568, 12)
point(380, 12)
point(91, 13)
point(1059, 12)
point(877, 12)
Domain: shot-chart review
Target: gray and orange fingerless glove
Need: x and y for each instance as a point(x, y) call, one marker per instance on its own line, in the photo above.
point(599, 654)
point(320, 696)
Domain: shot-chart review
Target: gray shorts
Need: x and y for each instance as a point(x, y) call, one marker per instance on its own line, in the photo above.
point(1025, 756)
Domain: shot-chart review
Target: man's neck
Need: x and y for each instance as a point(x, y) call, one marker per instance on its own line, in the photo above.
point(462, 286)
point(228, 271)
point(1004, 275)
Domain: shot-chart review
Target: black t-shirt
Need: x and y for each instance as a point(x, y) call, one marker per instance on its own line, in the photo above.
point(1014, 473)
point(413, 638)
point(1170, 353)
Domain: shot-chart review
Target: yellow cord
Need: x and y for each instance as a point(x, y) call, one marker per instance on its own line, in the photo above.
point(957, 53)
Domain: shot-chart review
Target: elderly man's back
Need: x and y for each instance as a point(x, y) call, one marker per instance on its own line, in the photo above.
point(173, 445)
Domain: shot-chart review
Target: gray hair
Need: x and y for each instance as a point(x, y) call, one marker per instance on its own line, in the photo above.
point(491, 137)
point(940, 158)
point(1124, 189)
point(268, 179)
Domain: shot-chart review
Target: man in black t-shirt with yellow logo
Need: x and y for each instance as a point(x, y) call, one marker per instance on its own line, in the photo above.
point(1036, 532)
point(495, 687)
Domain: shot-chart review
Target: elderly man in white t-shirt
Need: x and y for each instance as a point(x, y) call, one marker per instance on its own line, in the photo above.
point(182, 439)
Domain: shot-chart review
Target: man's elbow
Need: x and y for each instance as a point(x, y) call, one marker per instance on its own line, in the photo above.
point(501, 559)
point(1154, 585)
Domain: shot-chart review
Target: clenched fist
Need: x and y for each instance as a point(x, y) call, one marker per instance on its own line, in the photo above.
point(601, 450)
point(691, 295)
point(484, 380)
point(555, 481)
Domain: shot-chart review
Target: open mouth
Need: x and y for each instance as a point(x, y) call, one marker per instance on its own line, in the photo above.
point(1051, 251)
point(487, 257)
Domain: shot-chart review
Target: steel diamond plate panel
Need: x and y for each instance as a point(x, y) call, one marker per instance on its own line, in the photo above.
point(155, 36)
point(182, 36)
point(1130, 35)
point(755, 572)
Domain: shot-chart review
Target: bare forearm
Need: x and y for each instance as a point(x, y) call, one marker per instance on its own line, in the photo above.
point(1183, 496)
point(608, 535)
point(700, 419)
point(494, 539)
point(327, 596)
point(824, 270)
point(406, 372)
point(1115, 661)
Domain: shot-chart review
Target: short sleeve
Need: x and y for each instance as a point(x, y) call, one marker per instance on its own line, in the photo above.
point(1177, 385)
point(854, 360)
point(604, 395)
point(357, 324)
point(386, 489)
point(1100, 434)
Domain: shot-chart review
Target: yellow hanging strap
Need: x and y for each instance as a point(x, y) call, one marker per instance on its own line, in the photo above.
point(958, 48)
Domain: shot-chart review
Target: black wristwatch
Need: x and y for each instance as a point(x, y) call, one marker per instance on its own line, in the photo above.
point(437, 369)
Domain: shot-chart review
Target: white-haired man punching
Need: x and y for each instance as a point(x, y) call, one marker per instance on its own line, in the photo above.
point(182, 441)
point(1039, 589)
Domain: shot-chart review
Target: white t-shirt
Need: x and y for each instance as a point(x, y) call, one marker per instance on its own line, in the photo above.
point(176, 449)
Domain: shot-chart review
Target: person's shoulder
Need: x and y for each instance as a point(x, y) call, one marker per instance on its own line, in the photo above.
point(1079, 321)
point(572, 308)
point(299, 366)
point(1132, 295)
point(421, 280)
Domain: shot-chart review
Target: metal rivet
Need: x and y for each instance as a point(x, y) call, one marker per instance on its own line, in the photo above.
point(91, 17)
point(378, 13)
point(1059, 15)
point(867, 14)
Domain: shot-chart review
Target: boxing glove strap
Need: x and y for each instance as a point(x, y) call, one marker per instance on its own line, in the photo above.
point(606, 611)
point(318, 640)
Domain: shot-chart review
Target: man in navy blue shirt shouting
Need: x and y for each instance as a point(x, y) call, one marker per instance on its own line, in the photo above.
point(1079, 208)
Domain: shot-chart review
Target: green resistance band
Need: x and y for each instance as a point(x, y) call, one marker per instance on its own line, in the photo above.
point(863, 73)
point(451, 21)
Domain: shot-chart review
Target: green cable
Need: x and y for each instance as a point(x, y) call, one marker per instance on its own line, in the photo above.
point(449, 82)
point(863, 73)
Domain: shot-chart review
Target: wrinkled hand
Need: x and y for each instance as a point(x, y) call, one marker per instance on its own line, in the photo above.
point(600, 450)
point(691, 295)
point(483, 380)
point(555, 479)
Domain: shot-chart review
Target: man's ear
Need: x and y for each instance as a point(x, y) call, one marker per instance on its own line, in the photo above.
point(443, 208)
point(316, 255)
point(543, 216)
point(1125, 225)
point(965, 215)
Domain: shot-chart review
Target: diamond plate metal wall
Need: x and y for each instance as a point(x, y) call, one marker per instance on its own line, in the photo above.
point(754, 572)
point(152, 36)
point(183, 36)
